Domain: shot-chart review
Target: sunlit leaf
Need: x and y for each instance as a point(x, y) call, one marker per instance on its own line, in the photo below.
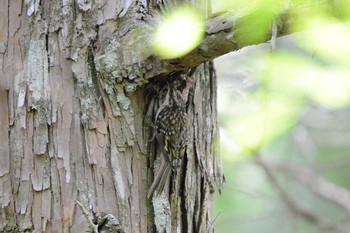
point(276, 115)
point(254, 27)
point(226, 5)
point(331, 88)
point(329, 41)
point(300, 77)
point(178, 32)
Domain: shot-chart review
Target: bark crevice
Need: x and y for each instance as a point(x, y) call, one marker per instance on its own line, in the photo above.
point(75, 123)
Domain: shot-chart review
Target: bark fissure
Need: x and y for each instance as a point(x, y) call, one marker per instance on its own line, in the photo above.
point(75, 123)
point(182, 195)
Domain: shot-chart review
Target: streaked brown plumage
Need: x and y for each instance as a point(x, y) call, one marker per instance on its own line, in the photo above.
point(171, 137)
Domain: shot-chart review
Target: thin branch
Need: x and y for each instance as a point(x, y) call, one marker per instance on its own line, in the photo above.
point(224, 33)
point(211, 226)
point(321, 187)
point(294, 206)
point(92, 226)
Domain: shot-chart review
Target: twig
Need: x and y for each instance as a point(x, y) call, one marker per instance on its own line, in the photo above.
point(93, 226)
point(212, 222)
point(292, 205)
point(323, 188)
point(320, 187)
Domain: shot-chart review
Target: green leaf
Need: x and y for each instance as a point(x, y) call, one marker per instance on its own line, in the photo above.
point(178, 32)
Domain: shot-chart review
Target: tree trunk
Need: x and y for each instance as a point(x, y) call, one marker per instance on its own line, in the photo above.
point(77, 122)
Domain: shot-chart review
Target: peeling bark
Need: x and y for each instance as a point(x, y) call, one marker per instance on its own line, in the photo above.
point(76, 122)
point(185, 206)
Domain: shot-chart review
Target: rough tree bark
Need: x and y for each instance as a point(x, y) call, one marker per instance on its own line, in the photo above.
point(79, 89)
point(78, 93)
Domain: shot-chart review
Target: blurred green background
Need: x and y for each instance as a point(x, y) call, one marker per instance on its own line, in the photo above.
point(296, 179)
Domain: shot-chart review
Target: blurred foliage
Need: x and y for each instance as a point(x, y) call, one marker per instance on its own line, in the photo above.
point(290, 106)
point(290, 80)
point(178, 32)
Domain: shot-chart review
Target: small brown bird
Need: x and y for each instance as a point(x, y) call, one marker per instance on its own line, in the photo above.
point(171, 136)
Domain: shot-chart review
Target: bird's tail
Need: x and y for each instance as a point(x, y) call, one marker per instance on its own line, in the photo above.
point(160, 179)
